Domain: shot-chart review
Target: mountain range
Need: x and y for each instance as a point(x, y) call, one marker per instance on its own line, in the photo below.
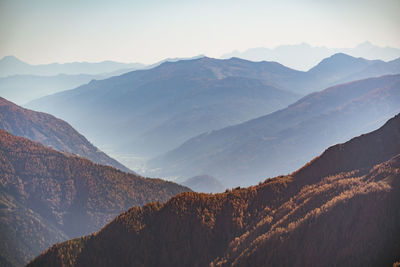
point(48, 196)
point(156, 110)
point(22, 88)
point(285, 140)
point(50, 131)
point(209, 124)
point(341, 209)
point(304, 56)
point(10, 65)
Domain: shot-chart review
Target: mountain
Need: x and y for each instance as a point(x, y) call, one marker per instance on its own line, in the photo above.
point(11, 65)
point(204, 184)
point(341, 209)
point(47, 196)
point(172, 59)
point(53, 132)
point(304, 56)
point(24, 88)
point(377, 69)
point(153, 111)
point(286, 139)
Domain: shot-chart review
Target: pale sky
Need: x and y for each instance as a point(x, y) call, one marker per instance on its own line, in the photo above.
point(45, 31)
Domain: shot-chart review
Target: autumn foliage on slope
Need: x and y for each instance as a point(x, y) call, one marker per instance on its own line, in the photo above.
point(342, 209)
point(67, 196)
point(53, 132)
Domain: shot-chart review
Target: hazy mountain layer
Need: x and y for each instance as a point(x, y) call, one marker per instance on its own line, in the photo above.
point(155, 110)
point(149, 112)
point(11, 65)
point(303, 56)
point(341, 209)
point(24, 88)
point(285, 140)
point(204, 184)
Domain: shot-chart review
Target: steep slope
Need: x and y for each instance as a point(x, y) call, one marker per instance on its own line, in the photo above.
point(24, 232)
point(50, 131)
point(341, 209)
point(47, 196)
point(287, 139)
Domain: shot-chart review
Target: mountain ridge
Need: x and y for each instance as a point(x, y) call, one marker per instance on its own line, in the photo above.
point(194, 96)
point(11, 65)
point(308, 56)
point(306, 215)
point(259, 146)
point(47, 196)
point(50, 131)
point(199, 92)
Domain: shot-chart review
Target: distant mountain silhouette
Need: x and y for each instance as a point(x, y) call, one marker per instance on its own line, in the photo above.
point(341, 209)
point(52, 132)
point(303, 56)
point(204, 184)
point(11, 65)
point(47, 196)
point(285, 140)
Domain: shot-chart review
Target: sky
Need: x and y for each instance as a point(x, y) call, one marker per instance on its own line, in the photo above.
point(46, 31)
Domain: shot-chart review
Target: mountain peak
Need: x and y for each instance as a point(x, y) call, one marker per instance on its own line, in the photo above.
point(339, 56)
point(11, 60)
point(366, 44)
point(339, 62)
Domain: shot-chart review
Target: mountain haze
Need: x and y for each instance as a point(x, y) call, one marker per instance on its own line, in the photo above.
point(145, 108)
point(11, 65)
point(341, 209)
point(285, 140)
point(304, 56)
point(204, 184)
point(156, 110)
point(24, 88)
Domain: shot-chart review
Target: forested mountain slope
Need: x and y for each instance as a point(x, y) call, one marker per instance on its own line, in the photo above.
point(47, 196)
point(341, 209)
